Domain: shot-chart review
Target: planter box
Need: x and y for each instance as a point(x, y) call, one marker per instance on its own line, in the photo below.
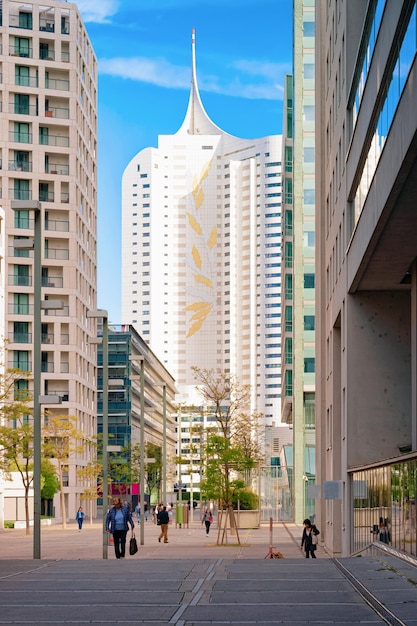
point(245, 519)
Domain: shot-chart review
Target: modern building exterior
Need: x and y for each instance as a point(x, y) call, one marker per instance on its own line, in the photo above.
point(201, 253)
point(125, 351)
point(298, 285)
point(48, 167)
point(366, 280)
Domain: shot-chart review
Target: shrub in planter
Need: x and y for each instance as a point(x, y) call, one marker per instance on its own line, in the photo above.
point(246, 500)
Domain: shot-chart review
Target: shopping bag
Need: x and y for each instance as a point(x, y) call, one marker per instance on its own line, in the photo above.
point(133, 545)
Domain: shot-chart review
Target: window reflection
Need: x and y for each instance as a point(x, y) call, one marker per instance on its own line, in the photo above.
point(384, 505)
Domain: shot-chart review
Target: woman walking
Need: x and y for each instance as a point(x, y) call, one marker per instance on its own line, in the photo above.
point(207, 520)
point(80, 518)
point(117, 523)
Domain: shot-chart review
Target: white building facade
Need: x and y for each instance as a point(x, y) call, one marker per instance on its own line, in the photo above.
point(201, 253)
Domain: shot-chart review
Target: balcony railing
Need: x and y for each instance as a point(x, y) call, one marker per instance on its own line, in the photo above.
point(47, 338)
point(46, 55)
point(24, 366)
point(57, 168)
point(20, 309)
point(20, 136)
point(64, 367)
point(60, 254)
point(57, 112)
point(65, 57)
point(64, 312)
point(20, 281)
point(54, 140)
point(20, 337)
point(20, 194)
point(20, 166)
point(59, 226)
point(60, 84)
point(21, 51)
point(52, 282)
point(26, 81)
point(46, 196)
point(64, 340)
point(24, 109)
point(47, 367)
point(64, 196)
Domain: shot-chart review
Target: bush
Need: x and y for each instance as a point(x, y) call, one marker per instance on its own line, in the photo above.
point(8, 524)
point(248, 501)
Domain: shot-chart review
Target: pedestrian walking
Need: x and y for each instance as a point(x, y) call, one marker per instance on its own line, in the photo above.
point(309, 539)
point(207, 520)
point(162, 520)
point(79, 516)
point(137, 511)
point(117, 523)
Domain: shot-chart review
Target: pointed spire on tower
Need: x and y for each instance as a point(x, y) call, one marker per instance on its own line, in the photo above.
point(196, 121)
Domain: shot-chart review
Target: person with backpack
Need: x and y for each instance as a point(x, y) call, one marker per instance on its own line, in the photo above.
point(207, 520)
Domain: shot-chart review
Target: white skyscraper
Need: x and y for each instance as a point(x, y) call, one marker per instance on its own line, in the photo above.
point(201, 253)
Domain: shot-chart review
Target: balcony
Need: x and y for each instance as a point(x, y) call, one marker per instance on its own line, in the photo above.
point(47, 25)
point(20, 50)
point(47, 367)
point(20, 166)
point(59, 226)
point(45, 196)
point(20, 281)
point(24, 109)
point(20, 337)
point(57, 254)
point(61, 113)
point(24, 366)
point(61, 141)
point(58, 84)
point(20, 194)
point(57, 168)
point(26, 81)
point(52, 282)
point(64, 312)
point(20, 309)
point(20, 136)
point(47, 338)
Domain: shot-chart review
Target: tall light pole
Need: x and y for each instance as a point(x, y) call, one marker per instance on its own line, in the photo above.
point(35, 244)
point(141, 358)
point(101, 313)
point(164, 440)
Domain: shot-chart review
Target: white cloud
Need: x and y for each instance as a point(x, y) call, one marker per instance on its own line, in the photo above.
point(154, 71)
point(98, 11)
point(162, 73)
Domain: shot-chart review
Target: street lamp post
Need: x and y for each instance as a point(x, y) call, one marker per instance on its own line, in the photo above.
point(101, 313)
point(141, 358)
point(35, 244)
point(164, 440)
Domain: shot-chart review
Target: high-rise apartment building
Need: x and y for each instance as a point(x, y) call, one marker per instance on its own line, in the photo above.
point(48, 164)
point(201, 253)
point(366, 278)
point(298, 285)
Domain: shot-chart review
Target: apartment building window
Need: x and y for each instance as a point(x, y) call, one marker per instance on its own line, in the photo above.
point(21, 360)
point(21, 133)
point(21, 304)
point(21, 103)
point(21, 189)
point(25, 20)
point(22, 47)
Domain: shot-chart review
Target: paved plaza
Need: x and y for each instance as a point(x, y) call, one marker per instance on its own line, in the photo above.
point(193, 582)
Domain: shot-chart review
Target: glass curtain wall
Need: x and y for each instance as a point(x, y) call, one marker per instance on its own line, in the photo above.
point(384, 506)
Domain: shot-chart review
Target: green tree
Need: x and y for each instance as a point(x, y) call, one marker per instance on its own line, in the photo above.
point(233, 450)
point(49, 481)
point(62, 440)
point(16, 431)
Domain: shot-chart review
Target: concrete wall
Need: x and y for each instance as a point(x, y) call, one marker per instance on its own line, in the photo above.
point(378, 398)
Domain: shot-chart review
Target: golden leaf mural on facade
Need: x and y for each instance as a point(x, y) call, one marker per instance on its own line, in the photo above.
point(196, 257)
point(202, 279)
point(194, 224)
point(213, 238)
point(201, 254)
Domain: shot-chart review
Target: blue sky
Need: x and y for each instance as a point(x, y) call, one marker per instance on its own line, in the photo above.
point(243, 49)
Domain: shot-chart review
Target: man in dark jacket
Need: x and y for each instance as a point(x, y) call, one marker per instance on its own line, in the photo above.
point(117, 521)
point(163, 521)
